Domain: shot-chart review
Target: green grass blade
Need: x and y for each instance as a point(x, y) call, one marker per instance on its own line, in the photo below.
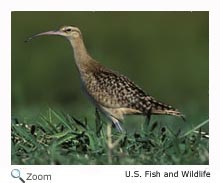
point(195, 128)
point(64, 121)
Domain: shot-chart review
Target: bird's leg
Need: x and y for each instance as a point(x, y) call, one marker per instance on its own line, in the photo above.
point(109, 142)
point(112, 145)
point(147, 122)
point(148, 118)
point(98, 122)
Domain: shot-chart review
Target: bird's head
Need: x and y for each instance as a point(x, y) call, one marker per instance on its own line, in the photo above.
point(69, 32)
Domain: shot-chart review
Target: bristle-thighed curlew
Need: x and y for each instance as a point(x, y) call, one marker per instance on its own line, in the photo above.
point(112, 93)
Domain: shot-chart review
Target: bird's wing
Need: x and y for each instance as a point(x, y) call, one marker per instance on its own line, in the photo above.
point(113, 90)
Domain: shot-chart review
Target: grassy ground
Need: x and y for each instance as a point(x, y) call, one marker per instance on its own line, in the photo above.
point(58, 138)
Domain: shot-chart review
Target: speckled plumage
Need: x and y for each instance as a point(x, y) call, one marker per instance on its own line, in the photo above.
point(112, 93)
point(117, 96)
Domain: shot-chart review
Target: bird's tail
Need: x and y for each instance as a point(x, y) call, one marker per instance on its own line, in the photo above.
point(161, 108)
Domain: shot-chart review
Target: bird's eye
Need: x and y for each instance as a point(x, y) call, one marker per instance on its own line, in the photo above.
point(68, 30)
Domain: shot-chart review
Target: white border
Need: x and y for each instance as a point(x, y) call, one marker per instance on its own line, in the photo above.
point(106, 173)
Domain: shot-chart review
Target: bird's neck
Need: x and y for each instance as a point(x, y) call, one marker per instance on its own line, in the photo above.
point(82, 58)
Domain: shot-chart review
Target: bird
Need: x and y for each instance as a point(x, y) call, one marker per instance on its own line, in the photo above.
point(114, 94)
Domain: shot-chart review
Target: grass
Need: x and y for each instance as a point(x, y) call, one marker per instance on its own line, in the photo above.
point(59, 138)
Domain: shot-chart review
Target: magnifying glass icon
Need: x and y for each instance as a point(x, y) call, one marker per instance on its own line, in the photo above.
point(15, 173)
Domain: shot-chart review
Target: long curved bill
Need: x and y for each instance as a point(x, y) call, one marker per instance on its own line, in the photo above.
point(45, 33)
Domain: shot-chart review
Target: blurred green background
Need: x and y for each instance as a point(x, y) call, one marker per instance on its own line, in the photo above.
point(165, 53)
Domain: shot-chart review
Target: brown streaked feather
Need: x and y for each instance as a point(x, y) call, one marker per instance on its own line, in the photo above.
point(119, 96)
